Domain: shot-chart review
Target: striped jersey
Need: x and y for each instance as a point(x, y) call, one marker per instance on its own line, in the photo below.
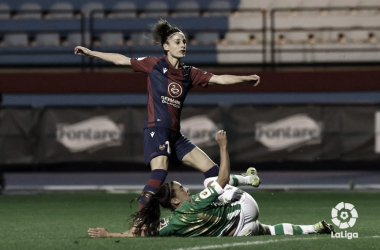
point(167, 89)
point(201, 216)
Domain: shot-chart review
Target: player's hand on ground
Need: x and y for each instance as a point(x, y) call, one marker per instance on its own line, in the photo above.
point(79, 50)
point(255, 79)
point(98, 232)
point(221, 138)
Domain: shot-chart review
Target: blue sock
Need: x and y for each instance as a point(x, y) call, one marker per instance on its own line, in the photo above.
point(157, 177)
point(212, 172)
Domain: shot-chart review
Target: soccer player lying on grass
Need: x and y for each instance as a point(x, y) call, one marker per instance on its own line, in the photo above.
point(218, 210)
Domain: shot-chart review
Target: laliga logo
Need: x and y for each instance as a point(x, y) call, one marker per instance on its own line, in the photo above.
point(341, 211)
point(344, 215)
point(175, 89)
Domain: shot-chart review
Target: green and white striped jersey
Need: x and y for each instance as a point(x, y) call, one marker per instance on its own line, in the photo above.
point(201, 216)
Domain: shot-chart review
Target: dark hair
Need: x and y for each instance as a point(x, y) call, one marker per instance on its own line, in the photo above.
point(162, 30)
point(149, 216)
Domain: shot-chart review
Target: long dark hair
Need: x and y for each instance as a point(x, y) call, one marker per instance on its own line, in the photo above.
point(149, 216)
point(162, 30)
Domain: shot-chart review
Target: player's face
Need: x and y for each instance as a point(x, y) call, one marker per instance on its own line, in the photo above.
point(182, 193)
point(176, 45)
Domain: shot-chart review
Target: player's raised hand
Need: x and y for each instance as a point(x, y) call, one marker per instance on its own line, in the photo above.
point(79, 50)
point(221, 138)
point(99, 232)
point(255, 79)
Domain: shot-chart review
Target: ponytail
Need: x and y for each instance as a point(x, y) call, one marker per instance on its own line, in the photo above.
point(149, 216)
point(163, 30)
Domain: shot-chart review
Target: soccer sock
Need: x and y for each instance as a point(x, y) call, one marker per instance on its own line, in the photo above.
point(238, 180)
point(157, 177)
point(290, 229)
point(235, 180)
point(212, 172)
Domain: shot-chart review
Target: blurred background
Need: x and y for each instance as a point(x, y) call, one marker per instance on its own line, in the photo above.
point(73, 123)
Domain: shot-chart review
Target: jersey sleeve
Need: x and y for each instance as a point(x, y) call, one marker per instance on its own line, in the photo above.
point(144, 64)
point(200, 77)
point(207, 196)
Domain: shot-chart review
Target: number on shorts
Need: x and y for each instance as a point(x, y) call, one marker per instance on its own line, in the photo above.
point(168, 146)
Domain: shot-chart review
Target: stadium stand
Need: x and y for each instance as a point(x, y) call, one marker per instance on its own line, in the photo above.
point(186, 9)
point(123, 10)
point(29, 11)
point(4, 11)
point(111, 39)
point(61, 10)
point(156, 9)
point(223, 24)
point(47, 39)
point(93, 9)
point(15, 40)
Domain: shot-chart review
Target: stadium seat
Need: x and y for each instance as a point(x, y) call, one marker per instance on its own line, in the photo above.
point(237, 37)
point(111, 39)
point(141, 39)
point(15, 40)
point(123, 10)
point(357, 36)
point(90, 7)
point(319, 6)
point(156, 9)
point(207, 38)
point(61, 10)
point(4, 11)
point(47, 40)
point(296, 37)
point(292, 5)
point(254, 4)
point(188, 8)
point(218, 8)
point(372, 5)
point(347, 5)
point(29, 11)
point(75, 39)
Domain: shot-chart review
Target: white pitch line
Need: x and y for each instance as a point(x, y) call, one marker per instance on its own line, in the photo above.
point(262, 242)
point(248, 243)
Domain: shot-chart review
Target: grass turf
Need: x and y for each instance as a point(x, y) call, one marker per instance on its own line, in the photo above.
point(60, 221)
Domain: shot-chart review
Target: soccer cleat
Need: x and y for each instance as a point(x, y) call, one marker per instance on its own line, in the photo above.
point(255, 180)
point(323, 227)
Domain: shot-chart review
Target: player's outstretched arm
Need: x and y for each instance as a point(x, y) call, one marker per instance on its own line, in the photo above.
point(114, 58)
point(101, 232)
point(231, 79)
point(224, 169)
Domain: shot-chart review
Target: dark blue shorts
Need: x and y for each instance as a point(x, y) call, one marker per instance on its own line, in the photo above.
point(163, 141)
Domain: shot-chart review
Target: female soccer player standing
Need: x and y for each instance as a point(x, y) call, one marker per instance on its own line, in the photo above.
point(169, 80)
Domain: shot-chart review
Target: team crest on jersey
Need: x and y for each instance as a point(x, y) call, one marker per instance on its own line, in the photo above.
point(161, 147)
point(163, 223)
point(174, 89)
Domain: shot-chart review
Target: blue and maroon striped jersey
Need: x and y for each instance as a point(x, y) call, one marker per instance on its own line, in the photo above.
point(167, 89)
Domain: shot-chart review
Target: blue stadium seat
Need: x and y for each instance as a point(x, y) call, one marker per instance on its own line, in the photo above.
point(111, 39)
point(188, 8)
point(47, 39)
point(156, 9)
point(75, 39)
point(15, 40)
point(61, 10)
point(4, 11)
point(219, 8)
point(29, 11)
point(123, 10)
point(89, 8)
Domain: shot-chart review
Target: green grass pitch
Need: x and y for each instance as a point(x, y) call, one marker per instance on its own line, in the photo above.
point(60, 221)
